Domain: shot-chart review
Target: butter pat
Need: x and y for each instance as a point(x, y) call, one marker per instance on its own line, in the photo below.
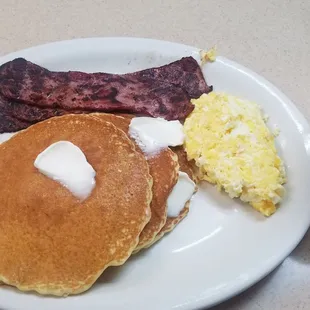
point(154, 134)
point(65, 163)
point(181, 193)
point(6, 136)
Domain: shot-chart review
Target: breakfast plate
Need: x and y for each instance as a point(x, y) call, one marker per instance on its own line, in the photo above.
point(223, 246)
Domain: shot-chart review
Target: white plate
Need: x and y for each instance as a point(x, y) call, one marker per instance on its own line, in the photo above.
point(222, 247)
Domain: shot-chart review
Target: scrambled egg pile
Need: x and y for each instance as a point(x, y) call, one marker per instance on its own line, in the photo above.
point(233, 148)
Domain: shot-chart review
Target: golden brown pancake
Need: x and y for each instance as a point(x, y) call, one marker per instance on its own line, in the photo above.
point(164, 170)
point(50, 241)
point(188, 167)
point(185, 165)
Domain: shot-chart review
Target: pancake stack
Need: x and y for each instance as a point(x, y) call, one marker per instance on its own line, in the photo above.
point(55, 244)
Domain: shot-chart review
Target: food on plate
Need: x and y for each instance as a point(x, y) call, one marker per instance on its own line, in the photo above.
point(94, 188)
point(187, 167)
point(155, 134)
point(52, 242)
point(6, 136)
point(64, 162)
point(30, 93)
point(164, 169)
point(233, 148)
point(79, 180)
point(184, 73)
point(207, 56)
point(9, 123)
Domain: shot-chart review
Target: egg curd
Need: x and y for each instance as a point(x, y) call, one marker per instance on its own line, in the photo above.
point(233, 148)
point(208, 56)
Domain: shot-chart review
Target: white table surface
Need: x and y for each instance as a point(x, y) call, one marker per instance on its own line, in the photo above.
point(272, 37)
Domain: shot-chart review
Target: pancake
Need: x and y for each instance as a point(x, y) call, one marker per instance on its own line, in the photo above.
point(50, 241)
point(189, 168)
point(186, 166)
point(164, 170)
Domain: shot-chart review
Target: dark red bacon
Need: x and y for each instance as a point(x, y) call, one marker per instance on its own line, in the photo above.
point(30, 93)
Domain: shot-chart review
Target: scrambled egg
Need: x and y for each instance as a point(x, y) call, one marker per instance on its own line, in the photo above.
point(208, 56)
point(233, 148)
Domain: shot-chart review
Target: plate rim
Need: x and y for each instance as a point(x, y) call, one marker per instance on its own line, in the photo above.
point(240, 285)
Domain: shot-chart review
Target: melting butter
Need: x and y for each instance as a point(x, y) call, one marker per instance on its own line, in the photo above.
point(6, 136)
point(180, 194)
point(65, 163)
point(155, 134)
